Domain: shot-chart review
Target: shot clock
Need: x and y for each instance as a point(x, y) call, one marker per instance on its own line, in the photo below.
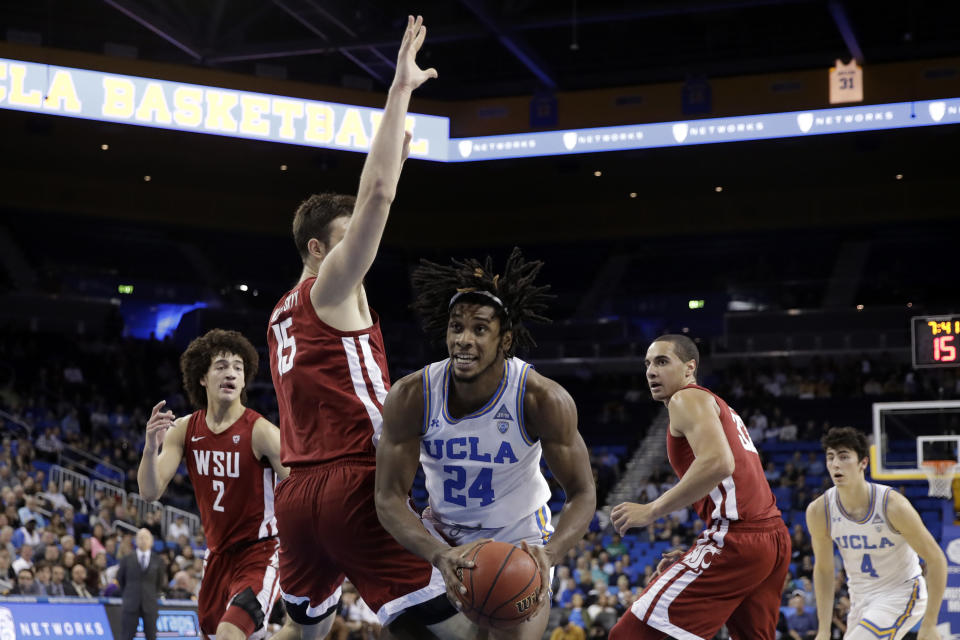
point(935, 341)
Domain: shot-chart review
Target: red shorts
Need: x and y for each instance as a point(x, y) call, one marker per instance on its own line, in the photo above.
point(733, 575)
point(329, 529)
point(228, 573)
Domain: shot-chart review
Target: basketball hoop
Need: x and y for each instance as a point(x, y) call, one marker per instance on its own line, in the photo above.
point(940, 475)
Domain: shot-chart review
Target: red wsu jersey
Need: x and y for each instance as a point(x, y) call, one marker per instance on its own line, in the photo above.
point(330, 384)
point(234, 490)
point(743, 496)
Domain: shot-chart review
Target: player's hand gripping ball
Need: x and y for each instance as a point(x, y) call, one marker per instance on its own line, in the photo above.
point(502, 587)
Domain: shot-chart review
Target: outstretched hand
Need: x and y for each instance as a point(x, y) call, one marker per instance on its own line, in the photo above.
point(409, 76)
point(157, 426)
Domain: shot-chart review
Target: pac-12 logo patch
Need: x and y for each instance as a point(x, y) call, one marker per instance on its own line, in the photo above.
point(8, 630)
point(503, 426)
point(236, 439)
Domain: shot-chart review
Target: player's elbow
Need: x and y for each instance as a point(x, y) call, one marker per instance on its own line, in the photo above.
point(381, 193)
point(724, 465)
point(385, 500)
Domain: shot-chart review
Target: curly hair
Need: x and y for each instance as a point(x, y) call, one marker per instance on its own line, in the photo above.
point(435, 285)
point(196, 361)
point(846, 438)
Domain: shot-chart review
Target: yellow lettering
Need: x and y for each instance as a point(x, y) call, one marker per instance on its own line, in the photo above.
point(153, 106)
point(351, 133)
point(3, 76)
point(219, 105)
point(63, 93)
point(251, 110)
point(319, 125)
point(18, 96)
point(288, 110)
point(188, 112)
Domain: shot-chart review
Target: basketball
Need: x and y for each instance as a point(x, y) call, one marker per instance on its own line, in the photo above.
point(501, 588)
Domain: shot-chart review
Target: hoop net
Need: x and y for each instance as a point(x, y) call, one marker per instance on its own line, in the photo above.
point(940, 475)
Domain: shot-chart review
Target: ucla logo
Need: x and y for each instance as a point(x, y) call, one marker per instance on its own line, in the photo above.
point(503, 426)
point(8, 630)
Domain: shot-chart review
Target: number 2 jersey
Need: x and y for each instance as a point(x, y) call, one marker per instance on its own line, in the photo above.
point(234, 490)
point(330, 384)
point(482, 469)
point(875, 556)
point(745, 494)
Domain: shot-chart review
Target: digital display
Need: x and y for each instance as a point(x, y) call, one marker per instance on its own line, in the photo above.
point(150, 102)
point(936, 340)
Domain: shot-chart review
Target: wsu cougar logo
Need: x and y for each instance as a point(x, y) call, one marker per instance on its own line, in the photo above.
point(700, 557)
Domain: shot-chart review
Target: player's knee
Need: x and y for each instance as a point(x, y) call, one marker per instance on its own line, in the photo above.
point(244, 612)
point(308, 626)
point(436, 614)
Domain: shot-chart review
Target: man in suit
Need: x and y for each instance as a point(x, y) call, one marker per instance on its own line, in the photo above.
point(78, 583)
point(142, 577)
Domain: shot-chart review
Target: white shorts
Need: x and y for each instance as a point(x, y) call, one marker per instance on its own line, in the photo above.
point(534, 529)
point(890, 615)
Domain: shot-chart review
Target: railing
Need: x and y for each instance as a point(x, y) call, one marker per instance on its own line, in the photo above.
point(109, 489)
point(17, 422)
point(78, 458)
point(144, 507)
point(192, 520)
point(81, 483)
point(120, 524)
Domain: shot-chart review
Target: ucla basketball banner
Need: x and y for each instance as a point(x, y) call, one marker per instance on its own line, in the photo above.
point(95, 95)
point(49, 620)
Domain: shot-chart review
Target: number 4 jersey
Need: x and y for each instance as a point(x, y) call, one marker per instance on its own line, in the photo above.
point(482, 469)
point(875, 556)
point(234, 490)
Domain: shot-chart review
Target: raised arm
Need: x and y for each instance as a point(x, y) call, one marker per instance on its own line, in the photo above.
point(398, 454)
point(823, 570)
point(342, 271)
point(695, 416)
point(155, 470)
point(551, 414)
point(266, 444)
point(905, 519)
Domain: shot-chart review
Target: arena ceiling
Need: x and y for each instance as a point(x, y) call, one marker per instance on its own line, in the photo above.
point(494, 47)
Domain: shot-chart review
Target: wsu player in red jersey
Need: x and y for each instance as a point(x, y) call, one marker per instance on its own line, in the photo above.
point(734, 573)
point(330, 374)
point(233, 458)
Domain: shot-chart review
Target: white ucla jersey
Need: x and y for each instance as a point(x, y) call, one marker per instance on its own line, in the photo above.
point(875, 556)
point(482, 470)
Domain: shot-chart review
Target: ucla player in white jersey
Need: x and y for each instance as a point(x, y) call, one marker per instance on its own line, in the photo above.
point(879, 536)
point(478, 422)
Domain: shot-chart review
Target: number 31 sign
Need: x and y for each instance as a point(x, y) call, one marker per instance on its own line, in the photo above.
point(846, 82)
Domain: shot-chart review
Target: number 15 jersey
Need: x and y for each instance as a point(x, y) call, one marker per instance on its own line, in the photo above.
point(330, 384)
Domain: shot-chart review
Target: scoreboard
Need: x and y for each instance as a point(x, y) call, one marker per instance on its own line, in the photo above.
point(935, 341)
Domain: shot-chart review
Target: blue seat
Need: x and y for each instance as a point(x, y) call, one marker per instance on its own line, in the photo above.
point(158, 546)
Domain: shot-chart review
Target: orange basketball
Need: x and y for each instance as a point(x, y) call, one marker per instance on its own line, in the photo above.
point(502, 587)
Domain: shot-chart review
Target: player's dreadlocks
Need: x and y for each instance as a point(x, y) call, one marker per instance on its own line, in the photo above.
point(513, 294)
